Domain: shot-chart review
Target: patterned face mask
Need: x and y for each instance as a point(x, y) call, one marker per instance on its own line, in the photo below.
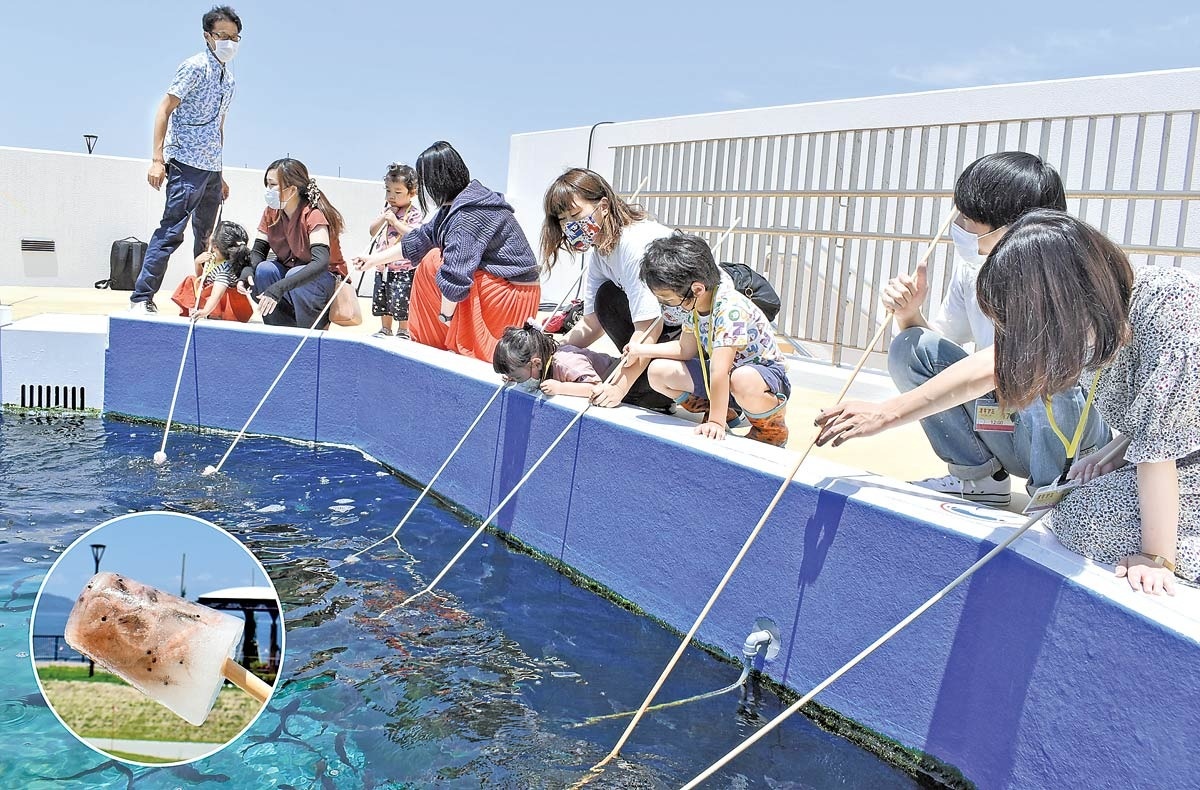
point(581, 233)
point(674, 314)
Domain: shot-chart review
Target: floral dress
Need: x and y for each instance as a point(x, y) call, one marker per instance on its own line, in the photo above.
point(1151, 394)
point(393, 288)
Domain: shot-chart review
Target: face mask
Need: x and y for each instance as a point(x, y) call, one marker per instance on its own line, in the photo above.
point(674, 314)
point(272, 198)
point(530, 385)
point(581, 233)
point(967, 245)
point(225, 50)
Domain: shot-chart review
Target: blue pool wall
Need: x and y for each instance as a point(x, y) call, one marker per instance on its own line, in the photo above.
point(1020, 678)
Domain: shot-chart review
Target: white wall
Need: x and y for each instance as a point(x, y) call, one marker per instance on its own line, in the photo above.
point(86, 202)
point(537, 158)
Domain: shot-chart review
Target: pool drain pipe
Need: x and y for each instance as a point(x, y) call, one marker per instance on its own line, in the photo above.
point(760, 644)
point(756, 642)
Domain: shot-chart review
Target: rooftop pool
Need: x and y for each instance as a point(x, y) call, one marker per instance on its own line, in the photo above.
point(482, 684)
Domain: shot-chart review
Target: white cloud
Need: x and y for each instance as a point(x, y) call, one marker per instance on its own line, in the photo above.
point(1008, 64)
point(1042, 57)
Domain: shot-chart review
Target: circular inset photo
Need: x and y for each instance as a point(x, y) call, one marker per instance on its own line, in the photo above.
point(156, 638)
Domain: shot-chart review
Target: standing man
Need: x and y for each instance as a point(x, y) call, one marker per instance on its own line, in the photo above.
point(189, 130)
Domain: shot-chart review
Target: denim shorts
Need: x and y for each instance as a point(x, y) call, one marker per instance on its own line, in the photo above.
point(774, 375)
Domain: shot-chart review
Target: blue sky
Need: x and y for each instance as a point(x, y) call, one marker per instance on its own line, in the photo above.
point(353, 86)
point(148, 547)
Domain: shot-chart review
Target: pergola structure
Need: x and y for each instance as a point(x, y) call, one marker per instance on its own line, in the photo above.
point(249, 600)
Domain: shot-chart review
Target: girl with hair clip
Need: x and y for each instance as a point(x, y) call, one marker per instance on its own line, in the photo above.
point(487, 276)
point(211, 291)
point(583, 212)
point(393, 281)
point(301, 227)
point(532, 359)
point(1069, 308)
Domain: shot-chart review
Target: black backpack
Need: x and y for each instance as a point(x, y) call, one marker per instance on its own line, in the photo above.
point(756, 287)
point(124, 264)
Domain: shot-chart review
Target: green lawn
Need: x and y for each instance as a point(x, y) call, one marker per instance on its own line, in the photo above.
point(74, 672)
point(116, 710)
point(140, 758)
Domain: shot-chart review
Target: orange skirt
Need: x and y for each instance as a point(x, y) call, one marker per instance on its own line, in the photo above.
point(233, 306)
point(493, 305)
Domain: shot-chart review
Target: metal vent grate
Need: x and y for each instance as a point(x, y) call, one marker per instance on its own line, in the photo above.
point(46, 396)
point(37, 245)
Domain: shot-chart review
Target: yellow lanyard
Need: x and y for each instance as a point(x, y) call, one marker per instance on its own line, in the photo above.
point(546, 369)
point(700, 352)
point(1072, 446)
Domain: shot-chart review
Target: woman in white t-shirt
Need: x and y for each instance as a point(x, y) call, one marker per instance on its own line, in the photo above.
point(583, 213)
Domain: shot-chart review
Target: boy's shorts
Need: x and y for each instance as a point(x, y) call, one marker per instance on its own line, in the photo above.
point(774, 375)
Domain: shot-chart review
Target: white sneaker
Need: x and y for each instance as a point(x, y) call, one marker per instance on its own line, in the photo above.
point(988, 491)
point(143, 308)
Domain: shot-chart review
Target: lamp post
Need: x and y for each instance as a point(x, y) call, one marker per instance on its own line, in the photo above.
point(90, 139)
point(97, 553)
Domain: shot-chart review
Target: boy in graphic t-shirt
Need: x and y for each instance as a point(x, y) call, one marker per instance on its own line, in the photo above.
point(726, 355)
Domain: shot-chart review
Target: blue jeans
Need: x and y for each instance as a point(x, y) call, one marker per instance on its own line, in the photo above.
point(301, 305)
point(192, 194)
point(1032, 451)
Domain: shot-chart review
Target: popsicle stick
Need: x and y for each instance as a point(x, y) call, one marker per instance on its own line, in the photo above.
point(246, 680)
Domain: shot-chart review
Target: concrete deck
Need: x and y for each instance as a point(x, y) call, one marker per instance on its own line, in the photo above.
point(903, 453)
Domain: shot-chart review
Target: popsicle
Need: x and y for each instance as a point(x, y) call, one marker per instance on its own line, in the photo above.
point(176, 652)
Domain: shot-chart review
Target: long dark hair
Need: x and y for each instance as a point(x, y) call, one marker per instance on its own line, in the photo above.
point(442, 174)
point(591, 187)
point(293, 173)
point(230, 240)
point(520, 344)
point(1058, 292)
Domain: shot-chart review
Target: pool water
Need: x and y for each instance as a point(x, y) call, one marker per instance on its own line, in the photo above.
point(476, 688)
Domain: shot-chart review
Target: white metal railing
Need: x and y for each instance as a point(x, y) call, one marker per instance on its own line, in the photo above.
point(830, 216)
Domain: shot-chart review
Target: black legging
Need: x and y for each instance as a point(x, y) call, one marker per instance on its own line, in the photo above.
point(612, 310)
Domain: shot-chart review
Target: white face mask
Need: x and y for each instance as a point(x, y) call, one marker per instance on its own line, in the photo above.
point(967, 245)
point(272, 198)
point(225, 50)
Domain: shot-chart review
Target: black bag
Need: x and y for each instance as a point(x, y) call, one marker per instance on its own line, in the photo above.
point(124, 264)
point(755, 286)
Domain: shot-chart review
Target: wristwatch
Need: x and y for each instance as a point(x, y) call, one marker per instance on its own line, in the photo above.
point(445, 318)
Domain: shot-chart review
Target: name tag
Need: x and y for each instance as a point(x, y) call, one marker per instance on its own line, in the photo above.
point(990, 417)
point(1047, 497)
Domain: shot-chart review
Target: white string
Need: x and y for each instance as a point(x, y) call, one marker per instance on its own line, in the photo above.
point(611, 377)
point(161, 456)
point(162, 449)
point(598, 767)
point(353, 557)
point(494, 513)
point(1108, 457)
point(211, 470)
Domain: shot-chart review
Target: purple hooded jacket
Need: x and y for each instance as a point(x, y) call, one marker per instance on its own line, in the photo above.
point(476, 231)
